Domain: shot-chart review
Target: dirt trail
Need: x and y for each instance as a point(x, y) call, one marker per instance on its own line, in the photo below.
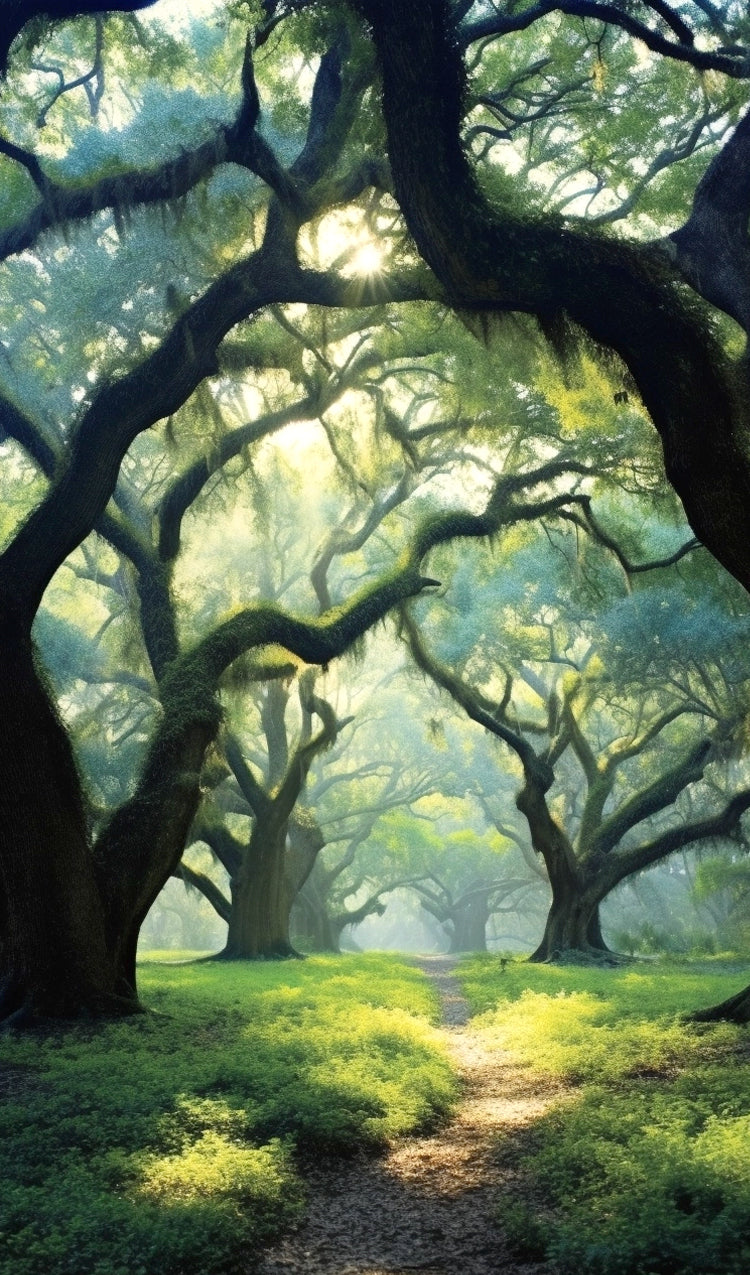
point(428, 1204)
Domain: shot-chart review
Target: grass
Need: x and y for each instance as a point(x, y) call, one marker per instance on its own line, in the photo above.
point(167, 1143)
point(644, 1167)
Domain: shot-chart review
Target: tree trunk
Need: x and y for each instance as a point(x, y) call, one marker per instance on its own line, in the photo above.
point(262, 899)
point(56, 960)
point(573, 931)
point(572, 927)
point(141, 846)
point(470, 919)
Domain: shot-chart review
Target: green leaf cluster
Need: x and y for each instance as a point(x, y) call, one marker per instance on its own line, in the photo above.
point(643, 1165)
point(166, 1143)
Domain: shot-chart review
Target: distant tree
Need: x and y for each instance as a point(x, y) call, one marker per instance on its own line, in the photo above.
point(268, 868)
point(353, 878)
point(634, 748)
point(161, 192)
point(722, 883)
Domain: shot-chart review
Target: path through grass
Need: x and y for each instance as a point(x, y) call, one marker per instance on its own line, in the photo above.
point(167, 1143)
point(644, 1167)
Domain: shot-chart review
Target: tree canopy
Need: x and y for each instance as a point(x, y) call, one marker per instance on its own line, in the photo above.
point(486, 256)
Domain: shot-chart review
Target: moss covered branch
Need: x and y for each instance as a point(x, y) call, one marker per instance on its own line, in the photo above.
point(491, 258)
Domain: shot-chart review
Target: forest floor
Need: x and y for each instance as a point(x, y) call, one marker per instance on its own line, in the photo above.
point(429, 1204)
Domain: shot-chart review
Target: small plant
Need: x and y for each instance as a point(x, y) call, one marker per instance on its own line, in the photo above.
point(644, 1166)
point(166, 1143)
point(526, 1236)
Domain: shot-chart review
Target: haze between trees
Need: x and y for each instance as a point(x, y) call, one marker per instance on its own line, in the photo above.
point(182, 196)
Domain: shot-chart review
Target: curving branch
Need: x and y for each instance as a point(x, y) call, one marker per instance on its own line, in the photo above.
point(735, 65)
point(489, 258)
point(208, 888)
point(722, 824)
point(697, 137)
point(188, 486)
point(252, 790)
point(16, 424)
point(340, 541)
point(309, 746)
point(662, 792)
point(152, 391)
point(474, 705)
point(220, 841)
point(84, 81)
point(16, 14)
point(591, 524)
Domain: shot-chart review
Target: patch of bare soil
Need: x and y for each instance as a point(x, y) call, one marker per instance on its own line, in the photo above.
point(427, 1205)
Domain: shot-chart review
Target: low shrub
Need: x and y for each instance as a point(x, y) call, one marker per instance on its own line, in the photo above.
point(166, 1143)
point(644, 1165)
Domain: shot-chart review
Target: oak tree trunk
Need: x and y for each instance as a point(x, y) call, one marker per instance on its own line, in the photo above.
point(262, 901)
point(470, 925)
point(572, 926)
point(572, 930)
point(56, 958)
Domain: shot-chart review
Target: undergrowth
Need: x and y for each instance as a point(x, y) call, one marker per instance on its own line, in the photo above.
point(643, 1167)
point(167, 1142)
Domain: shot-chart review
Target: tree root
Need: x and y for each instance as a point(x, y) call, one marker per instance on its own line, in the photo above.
point(24, 1008)
point(734, 1010)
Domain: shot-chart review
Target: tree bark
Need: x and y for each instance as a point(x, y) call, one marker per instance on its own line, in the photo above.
point(734, 1010)
point(470, 930)
point(56, 960)
point(262, 897)
point(470, 917)
point(572, 930)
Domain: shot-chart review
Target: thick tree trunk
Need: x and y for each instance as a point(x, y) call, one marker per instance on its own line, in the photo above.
point(56, 959)
point(143, 843)
point(470, 925)
point(262, 901)
point(572, 931)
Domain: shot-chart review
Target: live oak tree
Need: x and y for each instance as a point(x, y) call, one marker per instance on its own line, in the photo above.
point(629, 297)
point(72, 909)
point(462, 871)
point(270, 863)
point(641, 699)
point(269, 867)
point(447, 69)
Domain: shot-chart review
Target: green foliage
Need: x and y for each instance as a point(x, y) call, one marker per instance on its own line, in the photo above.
point(440, 839)
point(649, 939)
point(165, 1142)
point(652, 1182)
point(644, 1168)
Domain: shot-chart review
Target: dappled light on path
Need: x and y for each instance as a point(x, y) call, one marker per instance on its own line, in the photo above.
point(429, 1204)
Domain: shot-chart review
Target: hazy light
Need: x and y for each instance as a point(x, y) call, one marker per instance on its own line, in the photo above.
point(366, 260)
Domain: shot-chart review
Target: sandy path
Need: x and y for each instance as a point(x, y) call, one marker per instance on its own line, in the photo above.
point(428, 1204)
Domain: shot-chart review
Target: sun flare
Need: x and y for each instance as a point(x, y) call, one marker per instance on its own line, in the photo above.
point(366, 260)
